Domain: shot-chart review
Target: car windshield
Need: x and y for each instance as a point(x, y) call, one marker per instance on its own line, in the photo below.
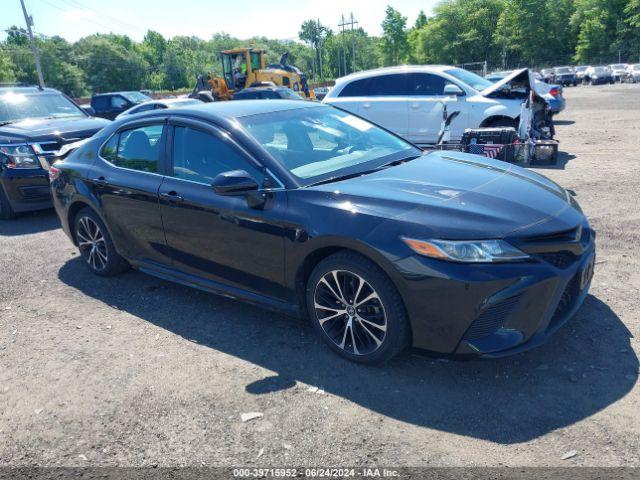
point(17, 106)
point(470, 78)
point(135, 97)
point(563, 70)
point(636, 67)
point(581, 69)
point(318, 144)
point(618, 66)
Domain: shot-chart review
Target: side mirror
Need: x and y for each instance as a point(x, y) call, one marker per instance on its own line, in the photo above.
point(235, 182)
point(453, 90)
point(88, 109)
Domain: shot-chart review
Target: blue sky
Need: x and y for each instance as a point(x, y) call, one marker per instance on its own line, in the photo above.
point(73, 19)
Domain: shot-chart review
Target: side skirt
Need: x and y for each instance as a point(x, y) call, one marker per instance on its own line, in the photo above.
point(216, 288)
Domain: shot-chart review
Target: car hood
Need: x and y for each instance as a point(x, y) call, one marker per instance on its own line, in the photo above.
point(39, 130)
point(517, 84)
point(458, 196)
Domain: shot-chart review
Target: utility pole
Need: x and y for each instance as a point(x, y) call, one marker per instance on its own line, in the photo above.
point(352, 23)
point(343, 24)
point(34, 49)
point(320, 49)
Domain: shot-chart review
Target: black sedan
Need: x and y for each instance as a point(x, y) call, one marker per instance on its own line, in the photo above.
point(305, 208)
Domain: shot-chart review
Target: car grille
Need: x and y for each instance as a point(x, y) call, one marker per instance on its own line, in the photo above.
point(569, 296)
point(491, 318)
point(559, 260)
point(35, 193)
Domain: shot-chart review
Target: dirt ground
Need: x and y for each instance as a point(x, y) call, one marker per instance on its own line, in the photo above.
point(137, 371)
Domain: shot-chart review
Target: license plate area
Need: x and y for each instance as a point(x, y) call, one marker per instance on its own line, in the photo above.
point(586, 273)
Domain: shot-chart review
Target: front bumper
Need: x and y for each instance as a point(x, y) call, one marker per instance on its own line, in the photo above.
point(491, 310)
point(26, 189)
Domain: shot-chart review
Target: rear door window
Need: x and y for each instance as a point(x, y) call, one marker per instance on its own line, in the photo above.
point(100, 103)
point(135, 149)
point(389, 85)
point(357, 88)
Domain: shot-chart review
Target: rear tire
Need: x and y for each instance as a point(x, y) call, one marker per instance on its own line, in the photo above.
point(356, 309)
point(96, 246)
point(6, 212)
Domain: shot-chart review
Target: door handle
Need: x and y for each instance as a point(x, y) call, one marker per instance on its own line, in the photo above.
point(171, 196)
point(100, 181)
point(415, 105)
point(366, 105)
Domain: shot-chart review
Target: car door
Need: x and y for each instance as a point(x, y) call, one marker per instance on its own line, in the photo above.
point(125, 181)
point(218, 237)
point(388, 103)
point(426, 107)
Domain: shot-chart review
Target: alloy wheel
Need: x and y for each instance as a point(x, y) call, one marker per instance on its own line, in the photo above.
point(350, 312)
point(91, 243)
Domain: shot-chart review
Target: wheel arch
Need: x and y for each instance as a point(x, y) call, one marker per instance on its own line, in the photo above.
point(491, 120)
point(326, 247)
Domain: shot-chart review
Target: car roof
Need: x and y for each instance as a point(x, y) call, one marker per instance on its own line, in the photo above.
point(376, 72)
point(27, 89)
point(115, 93)
point(232, 109)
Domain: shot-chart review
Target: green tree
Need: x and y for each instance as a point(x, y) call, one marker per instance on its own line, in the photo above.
point(395, 44)
point(109, 65)
point(6, 68)
point(314, 33)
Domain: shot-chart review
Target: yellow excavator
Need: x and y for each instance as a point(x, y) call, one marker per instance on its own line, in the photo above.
point(245, 67)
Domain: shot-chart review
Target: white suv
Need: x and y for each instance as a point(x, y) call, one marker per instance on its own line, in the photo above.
point(409, 100)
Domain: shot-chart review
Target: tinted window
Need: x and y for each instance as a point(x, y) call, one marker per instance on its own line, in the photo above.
point(200, 157)
point(139, 148)
point(100, 103)
point(247, 95)
point(426, 84)
point(110, 149)
point(357, 88)
point(118, 102)
point(387, 85)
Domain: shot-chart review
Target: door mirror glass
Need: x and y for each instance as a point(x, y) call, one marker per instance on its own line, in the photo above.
point(234, 182)
point(454, 90)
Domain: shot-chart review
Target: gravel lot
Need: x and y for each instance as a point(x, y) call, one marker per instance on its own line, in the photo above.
point(138, 371)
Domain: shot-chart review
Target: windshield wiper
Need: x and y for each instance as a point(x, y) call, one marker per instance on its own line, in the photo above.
point(342, 177)
point(7, 122)
point(365, 172)
point(398, 162)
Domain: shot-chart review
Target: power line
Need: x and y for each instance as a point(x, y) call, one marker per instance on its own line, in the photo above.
point(115, 20)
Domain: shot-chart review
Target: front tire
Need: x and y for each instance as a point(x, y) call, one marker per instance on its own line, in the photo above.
point(356, 309)
point(96, 246)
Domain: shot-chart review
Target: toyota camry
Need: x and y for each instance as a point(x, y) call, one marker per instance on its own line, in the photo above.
point(308, 209)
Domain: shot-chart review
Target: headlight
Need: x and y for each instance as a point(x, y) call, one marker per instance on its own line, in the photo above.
point(475, 251)
point(18, 156)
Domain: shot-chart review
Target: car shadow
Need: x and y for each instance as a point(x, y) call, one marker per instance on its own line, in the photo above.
point(586, 367)
point(29, 223)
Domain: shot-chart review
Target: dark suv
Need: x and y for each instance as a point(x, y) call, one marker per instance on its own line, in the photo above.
point(110, 105)
point(37, 127)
